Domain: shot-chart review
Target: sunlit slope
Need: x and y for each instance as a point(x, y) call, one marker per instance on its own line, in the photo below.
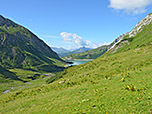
point(119, 83)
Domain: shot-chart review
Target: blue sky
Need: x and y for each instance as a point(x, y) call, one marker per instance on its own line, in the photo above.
point(76, 23)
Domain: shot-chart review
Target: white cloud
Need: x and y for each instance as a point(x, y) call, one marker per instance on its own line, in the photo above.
point(92, 44)
point(66, 36)
point(134, 6)
point(67, 39)
point(78, 40)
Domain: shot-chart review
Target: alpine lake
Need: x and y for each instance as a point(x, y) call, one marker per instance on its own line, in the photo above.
point(79, 61)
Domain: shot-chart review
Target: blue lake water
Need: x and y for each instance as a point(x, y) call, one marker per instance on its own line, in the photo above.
point(78, 62)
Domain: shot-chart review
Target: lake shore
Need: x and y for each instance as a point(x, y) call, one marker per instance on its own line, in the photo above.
point(79, 61)
point(82, 60)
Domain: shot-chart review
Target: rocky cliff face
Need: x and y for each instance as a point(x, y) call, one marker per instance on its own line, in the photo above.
point(117, 40)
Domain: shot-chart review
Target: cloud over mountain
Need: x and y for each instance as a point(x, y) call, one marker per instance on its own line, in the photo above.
point(78, 40)
point(66, 36)
point(134, 6)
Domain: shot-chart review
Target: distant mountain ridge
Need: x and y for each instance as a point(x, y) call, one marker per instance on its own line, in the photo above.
point(59, 50)
point(79, 50)
point(20, 48)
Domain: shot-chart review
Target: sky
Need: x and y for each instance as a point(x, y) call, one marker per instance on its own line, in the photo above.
point(75, 23)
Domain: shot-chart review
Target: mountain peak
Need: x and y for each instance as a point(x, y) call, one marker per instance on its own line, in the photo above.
point(59, 50)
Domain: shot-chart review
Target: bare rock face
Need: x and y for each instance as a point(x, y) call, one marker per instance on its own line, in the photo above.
point(117, 40)
point(139, 27)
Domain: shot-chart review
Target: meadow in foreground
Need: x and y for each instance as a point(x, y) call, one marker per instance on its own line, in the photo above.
point(117, 83)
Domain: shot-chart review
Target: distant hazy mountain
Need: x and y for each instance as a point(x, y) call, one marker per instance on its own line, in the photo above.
point(59, 50)
point(80, 50)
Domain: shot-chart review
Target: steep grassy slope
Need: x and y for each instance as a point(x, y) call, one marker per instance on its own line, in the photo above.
point(118, 82)
point(20, 48)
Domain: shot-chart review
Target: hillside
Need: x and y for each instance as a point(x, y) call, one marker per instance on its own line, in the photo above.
point(95, 53)
point(117, 82)
point(20, 48)
point(79, 50)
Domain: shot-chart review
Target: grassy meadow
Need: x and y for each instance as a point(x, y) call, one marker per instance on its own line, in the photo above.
point(116, 83)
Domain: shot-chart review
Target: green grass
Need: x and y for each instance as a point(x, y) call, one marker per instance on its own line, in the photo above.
point(19, 29)
point(23, 74)
point(119, 83)
point(26, 79)
point(57, 62)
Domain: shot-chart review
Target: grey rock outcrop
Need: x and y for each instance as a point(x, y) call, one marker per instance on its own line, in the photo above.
point(139, 27)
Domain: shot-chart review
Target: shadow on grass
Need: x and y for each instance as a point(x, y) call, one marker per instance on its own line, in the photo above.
point(50, 68)
point(6, 74)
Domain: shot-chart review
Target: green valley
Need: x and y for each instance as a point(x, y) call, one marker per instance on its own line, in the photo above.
point(24, 57)
point(118, 82)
